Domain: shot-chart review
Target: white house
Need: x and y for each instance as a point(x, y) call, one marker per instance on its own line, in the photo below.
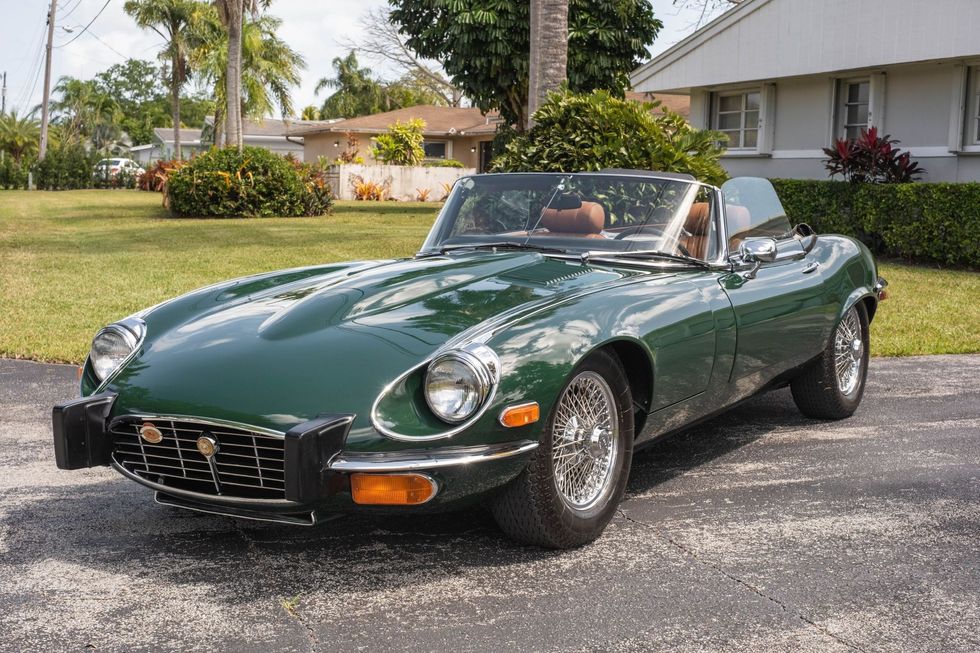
point(784, 78)
point(270, 134)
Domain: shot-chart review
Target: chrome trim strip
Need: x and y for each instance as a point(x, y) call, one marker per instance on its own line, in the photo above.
point(285, 519)
point(203, 498)
point(409, 461)
point(207, 421)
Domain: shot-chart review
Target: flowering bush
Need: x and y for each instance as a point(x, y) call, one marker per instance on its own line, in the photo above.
point(871, 159)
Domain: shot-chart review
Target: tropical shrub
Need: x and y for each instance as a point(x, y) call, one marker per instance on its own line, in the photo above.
point(422, 194)
point(155, 178)
point(872, 159)
point(66, 167)
point(367, 190)
point(928, 222)
point(594, 131)
point(401, 145)
point(13, 174)
point(251, 183)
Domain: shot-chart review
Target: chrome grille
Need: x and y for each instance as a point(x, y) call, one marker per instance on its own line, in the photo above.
point(247, 463)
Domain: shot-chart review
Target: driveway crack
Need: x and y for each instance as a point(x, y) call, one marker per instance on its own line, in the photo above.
point(691, 553)
point(291, 606)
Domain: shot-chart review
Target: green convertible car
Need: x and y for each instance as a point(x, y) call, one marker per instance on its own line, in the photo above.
point(549, 325)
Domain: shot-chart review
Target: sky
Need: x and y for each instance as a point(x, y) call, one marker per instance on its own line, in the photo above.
point(315, 28)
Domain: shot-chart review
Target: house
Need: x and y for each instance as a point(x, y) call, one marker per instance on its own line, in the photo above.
point(268, 133)
point(464, 134)
point(785, 78)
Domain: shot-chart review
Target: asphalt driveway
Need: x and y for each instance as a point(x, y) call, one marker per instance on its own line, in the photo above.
point(757, 531)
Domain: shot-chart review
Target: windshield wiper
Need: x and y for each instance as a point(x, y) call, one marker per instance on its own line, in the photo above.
point(497, 245)
point(643, 253)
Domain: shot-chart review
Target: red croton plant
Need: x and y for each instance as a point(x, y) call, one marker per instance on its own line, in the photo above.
point(871, 159)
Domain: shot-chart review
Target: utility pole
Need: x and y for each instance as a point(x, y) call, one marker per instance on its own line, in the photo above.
point(47, 83)
point(3, 95)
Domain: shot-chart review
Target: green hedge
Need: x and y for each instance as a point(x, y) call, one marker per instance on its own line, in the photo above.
point(68, 167)
point(252, 183)
point(928, 222)
point(13, 175)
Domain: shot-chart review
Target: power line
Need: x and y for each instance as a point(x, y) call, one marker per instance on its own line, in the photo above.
point(95, 36)
point(78, 3)
point(85, 29)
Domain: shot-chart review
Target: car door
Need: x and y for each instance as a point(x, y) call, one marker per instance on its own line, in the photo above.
point(781, 307)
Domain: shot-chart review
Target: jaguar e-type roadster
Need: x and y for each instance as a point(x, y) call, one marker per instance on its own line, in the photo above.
point(549, 326)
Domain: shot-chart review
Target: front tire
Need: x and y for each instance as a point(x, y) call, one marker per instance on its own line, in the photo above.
point(577, 476)
point(831, 387)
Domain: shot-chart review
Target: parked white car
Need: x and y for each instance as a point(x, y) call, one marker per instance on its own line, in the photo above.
point(112, 167)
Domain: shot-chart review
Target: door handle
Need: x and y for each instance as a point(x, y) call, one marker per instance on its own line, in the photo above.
point(810, 267)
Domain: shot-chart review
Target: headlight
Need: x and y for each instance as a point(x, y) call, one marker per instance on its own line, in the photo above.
point(458, 382)
point(113, 345)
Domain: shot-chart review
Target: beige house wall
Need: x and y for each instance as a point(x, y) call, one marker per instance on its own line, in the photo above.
point(465, 149)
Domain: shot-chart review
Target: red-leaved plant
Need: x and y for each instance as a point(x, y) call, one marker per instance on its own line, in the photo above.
point(871, 159)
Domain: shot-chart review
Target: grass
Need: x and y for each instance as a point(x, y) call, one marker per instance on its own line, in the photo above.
point(71, 262)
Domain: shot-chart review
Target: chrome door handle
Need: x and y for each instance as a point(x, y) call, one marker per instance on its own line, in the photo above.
point(810, 267)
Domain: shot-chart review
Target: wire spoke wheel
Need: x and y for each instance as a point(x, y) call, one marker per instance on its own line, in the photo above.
point(848, 352)
point(585, 441)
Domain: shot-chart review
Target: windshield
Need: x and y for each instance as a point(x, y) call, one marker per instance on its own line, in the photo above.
point(577, 213)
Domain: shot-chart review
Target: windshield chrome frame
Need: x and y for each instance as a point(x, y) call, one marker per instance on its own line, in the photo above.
point(721, 260)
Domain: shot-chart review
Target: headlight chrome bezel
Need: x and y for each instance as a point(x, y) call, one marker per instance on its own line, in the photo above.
point(485, 367)
point(132, 330)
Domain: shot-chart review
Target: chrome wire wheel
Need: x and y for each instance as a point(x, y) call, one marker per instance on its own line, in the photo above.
point(585, 446)
point(848, 352)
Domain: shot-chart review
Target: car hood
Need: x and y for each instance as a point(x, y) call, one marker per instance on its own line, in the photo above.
point(277, 350)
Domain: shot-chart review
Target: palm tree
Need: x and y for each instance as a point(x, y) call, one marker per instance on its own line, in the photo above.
point(549, 51)
point(171, 20)
point(232, 15)
point(356, 92)
point(19, 135)
point(85, 111)
point(270, 68)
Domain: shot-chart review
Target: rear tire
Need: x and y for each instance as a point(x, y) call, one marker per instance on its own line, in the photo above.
point(831, 387)
point(577, 476)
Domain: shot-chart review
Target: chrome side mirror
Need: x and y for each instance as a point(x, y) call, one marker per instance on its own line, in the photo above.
point(757, 251)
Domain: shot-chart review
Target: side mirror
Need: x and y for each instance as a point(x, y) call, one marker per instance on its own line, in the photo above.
point(757, 251)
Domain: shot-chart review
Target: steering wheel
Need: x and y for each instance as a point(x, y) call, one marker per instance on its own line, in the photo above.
point(656, 231)
point(641, 229)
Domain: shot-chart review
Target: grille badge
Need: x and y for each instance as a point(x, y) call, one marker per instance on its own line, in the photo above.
point(207, 445)
point(151, 433)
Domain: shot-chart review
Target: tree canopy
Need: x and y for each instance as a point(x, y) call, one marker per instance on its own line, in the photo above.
point(483, 45)
point(357, 92)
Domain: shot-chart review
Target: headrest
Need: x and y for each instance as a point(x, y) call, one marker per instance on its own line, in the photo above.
point(738, 218)
point(698, 219)
point(589, 218)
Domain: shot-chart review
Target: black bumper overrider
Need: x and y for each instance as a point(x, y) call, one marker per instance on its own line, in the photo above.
point(82, 439)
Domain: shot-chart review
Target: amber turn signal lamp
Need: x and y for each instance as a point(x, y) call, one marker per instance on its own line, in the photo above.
point(391, 489)
point(520, 415)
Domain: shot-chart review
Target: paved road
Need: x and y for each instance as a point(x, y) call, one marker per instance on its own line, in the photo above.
point(759, 531)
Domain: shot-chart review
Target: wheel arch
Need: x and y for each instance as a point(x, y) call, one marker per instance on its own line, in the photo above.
point(637, 363)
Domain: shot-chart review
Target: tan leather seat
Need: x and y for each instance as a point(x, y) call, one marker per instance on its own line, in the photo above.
point(739, 222)
point(586, 221)
point(698, 224)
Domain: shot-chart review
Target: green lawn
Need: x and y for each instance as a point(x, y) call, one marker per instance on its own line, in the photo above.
point(72, 261)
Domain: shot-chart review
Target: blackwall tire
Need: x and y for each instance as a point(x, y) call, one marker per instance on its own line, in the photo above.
point(832, 386)
point(577, 476)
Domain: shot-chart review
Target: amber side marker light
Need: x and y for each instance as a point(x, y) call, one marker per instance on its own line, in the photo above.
point(391, 489)
point(520, 415)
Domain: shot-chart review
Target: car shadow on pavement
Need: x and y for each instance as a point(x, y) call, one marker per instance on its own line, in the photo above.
point(112, 527)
